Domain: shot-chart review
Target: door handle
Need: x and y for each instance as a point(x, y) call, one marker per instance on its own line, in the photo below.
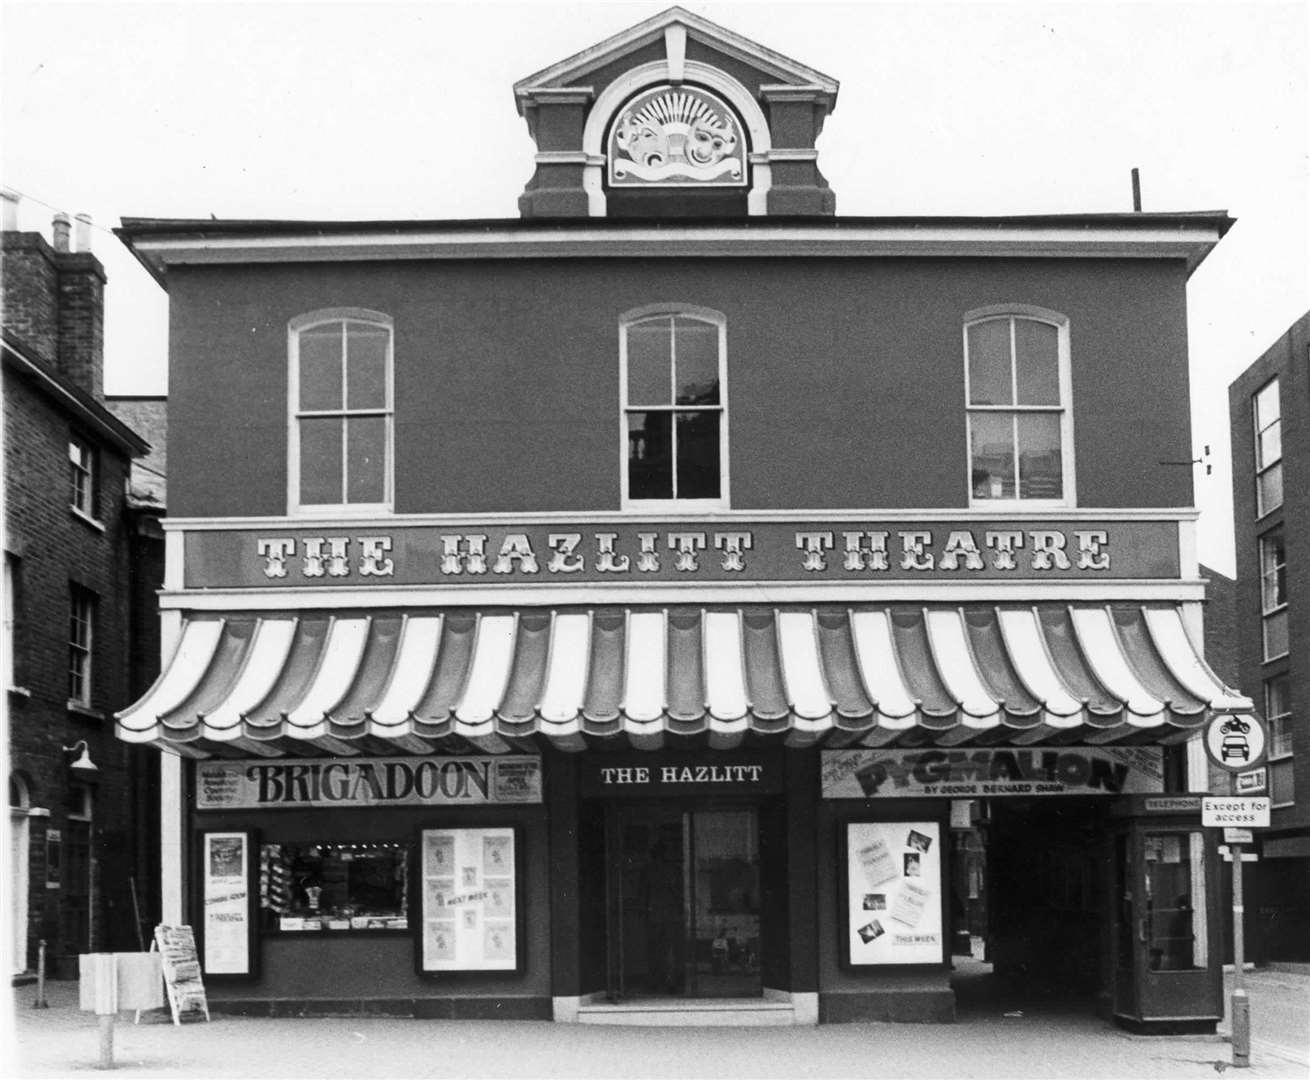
point(1142, 935)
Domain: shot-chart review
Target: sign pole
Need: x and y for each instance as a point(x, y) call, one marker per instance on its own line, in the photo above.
point(1241, 1004)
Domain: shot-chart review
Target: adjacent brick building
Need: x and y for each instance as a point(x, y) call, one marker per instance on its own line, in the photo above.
point(80, 836)
point(1269, 410)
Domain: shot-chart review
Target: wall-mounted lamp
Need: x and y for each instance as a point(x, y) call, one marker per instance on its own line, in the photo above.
point(81, 766)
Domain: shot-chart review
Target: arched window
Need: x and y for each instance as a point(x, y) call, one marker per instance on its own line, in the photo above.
point(675, 419)
point(340, 439)
point(1018, 400)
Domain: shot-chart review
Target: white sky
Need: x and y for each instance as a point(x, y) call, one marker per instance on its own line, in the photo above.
point(405, 110)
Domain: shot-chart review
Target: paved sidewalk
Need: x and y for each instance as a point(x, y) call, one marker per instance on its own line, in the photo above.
point(62, 1042)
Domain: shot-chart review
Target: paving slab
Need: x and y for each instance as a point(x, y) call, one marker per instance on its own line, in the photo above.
point(61, 1041)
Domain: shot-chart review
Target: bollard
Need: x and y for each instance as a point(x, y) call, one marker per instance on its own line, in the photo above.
point(1241, 1006)
point(106, 1042)
point(40, 1002)
point(98, 993)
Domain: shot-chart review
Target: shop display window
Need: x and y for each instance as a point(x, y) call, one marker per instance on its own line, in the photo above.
point(334, 887)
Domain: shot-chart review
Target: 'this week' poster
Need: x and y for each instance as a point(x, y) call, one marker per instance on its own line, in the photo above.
point(894, 892)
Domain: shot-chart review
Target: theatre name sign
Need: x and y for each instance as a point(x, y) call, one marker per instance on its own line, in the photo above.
point(471, 553)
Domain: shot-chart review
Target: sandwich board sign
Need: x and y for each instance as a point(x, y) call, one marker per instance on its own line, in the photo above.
point(186, 989)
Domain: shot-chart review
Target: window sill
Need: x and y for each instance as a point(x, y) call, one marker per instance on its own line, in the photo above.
point(87, 519)
point(1020, 504)
point(20, 691)
point(78, 709)
point(673, 506)
point(328, 513)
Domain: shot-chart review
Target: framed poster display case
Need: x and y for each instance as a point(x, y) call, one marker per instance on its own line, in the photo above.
point(892, 893)
point(225, 922)
point(468, 896)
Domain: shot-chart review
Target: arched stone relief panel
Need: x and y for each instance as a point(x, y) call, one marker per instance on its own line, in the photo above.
point(699, 77)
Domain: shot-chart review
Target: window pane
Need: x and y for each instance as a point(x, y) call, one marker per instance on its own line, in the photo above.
point(1267, 408)
point(320, 461)
point(650, 363)
point(650, 455)
point(696, 349)
point(991, 455)
point(1176, 886)
point(1037, 362)
point(1269, 447)
point(1277, 710)
point(1275, 635)
point(366, 366)
point(320, 367)
point(1281, 788)
point(698, 455)
point(81, 615)
point(1269, 491)
point(334, 886)
point(80, 473)
point(1273, 571)
point(366, 459)
point(989, 363)
point(1041, 473)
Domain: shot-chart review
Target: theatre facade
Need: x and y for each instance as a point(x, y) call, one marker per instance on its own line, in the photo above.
point(681, 603)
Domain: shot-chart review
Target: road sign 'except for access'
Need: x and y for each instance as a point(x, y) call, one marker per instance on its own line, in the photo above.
point(1234, 812)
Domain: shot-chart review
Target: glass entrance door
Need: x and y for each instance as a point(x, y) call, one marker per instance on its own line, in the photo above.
point(683, 901)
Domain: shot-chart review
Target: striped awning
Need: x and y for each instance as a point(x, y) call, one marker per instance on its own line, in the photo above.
point(498, 680)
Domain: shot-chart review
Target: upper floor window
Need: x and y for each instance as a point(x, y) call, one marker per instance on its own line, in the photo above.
point(1020, 422)
point(82, 474)
point(1273, 593)
point(675, 420)
point(1278, 711)
point(1268, 418)
point(340, 441)
point(81, 632)
point(9, 645)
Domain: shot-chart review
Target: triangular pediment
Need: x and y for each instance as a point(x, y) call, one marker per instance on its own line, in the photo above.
point(771, 65)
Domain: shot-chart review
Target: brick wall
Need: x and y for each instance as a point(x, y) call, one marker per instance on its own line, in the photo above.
point(55, 548)
point(54, 304)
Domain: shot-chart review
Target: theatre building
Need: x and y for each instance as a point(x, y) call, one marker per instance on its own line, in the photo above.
point(681, 603)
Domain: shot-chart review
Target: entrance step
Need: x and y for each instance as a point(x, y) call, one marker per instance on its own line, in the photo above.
point(689, 1012)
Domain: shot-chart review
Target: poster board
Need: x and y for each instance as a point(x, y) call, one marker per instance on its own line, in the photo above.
point(225, 922)
point(469, 900)
point(181, 968)
point(893, 910)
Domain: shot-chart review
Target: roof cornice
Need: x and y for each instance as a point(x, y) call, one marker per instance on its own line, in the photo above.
point(89, 412)
point(161, 245)
point(581, 64)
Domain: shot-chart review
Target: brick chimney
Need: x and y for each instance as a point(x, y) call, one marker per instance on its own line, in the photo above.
point(53, 297)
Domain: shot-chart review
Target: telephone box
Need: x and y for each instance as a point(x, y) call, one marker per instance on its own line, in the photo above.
point(1164, 957)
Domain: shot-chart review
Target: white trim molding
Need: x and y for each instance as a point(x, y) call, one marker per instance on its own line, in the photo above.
point(1117, 237)
point(585, 594)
